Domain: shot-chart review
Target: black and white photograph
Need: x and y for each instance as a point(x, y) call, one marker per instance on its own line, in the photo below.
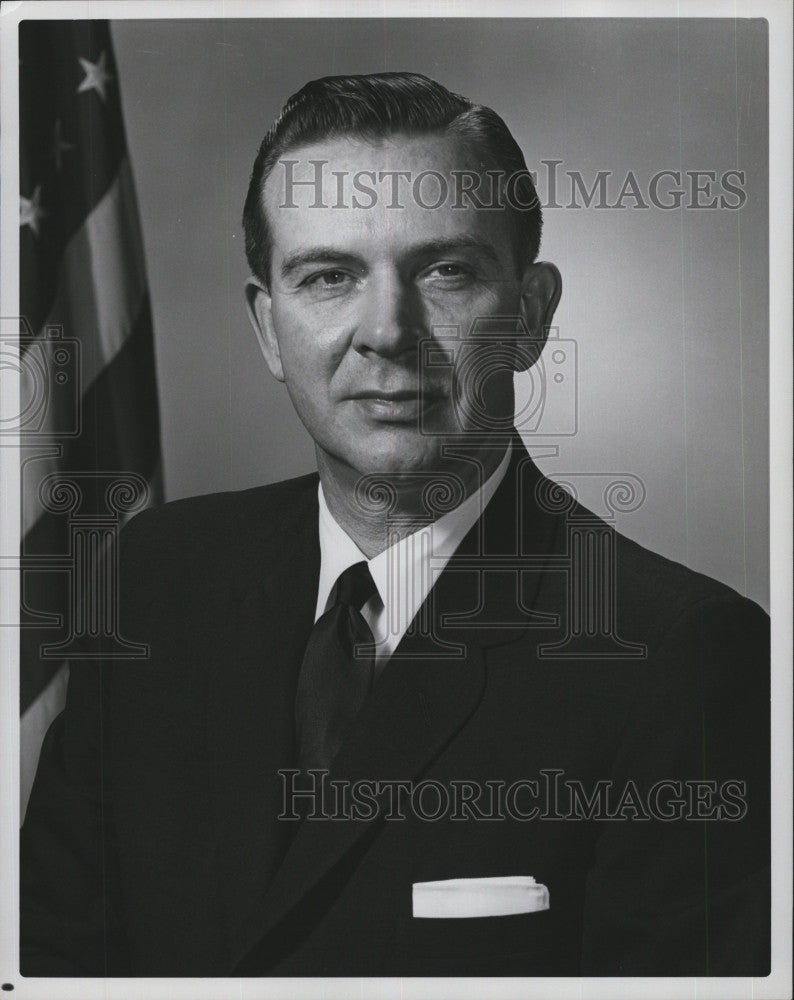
point(395, 546)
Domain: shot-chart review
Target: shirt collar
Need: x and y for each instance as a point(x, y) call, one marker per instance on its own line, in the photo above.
point(404, 572)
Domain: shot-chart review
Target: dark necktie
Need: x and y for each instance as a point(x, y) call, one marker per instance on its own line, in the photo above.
point(334, 682)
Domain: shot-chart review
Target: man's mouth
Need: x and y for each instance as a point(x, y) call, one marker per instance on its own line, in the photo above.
point(395, 405)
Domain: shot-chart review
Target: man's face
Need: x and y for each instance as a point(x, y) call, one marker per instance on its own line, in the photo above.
point(355, 290)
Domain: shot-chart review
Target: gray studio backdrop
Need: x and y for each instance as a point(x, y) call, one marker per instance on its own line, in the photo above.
point(666, 307)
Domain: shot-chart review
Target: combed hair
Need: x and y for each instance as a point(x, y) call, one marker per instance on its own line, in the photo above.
point(376, 106)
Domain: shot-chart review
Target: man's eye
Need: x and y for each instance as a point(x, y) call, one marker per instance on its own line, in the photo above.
point(329, 279)
point(449, 272)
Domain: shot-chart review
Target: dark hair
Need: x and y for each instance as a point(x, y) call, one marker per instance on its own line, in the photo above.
point(373, 107)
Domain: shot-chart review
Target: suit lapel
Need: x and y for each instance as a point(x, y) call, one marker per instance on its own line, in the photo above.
point(427, 692)
point(252, 673)
point(501, 563)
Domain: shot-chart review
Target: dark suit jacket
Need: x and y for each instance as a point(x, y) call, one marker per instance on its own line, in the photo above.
point(152, 847)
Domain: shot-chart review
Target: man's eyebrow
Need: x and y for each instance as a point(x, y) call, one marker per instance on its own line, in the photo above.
point(316, 255)
point(442, 247)
point(429, 248)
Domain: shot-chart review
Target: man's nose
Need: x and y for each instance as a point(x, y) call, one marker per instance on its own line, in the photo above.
point(390, 321)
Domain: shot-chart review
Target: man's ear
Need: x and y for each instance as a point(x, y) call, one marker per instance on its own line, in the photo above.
point(260, 312)
point(541, 288)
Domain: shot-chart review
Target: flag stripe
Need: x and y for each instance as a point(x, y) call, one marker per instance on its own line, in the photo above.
point(34, 724)
point(120, 417)
point(120, 421)
point(102, 277)
point(100, 312)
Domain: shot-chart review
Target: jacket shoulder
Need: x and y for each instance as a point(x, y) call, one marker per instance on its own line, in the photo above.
point(218, 511)
point(653, 594)
point(667, 605)
point(220, 533)
point(656, 579)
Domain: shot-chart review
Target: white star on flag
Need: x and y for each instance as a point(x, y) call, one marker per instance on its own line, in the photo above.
point(31, 212)
point(96, 76)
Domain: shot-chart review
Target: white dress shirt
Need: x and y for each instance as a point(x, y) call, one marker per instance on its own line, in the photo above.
point(405, 572)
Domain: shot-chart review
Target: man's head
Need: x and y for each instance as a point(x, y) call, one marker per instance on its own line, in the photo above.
point(376, 107)
point(386, 215)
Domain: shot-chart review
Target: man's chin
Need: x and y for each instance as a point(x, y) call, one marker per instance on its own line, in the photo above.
point(423, 457)
point(402, 456)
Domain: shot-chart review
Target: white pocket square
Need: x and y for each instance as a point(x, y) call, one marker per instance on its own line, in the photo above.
point(479, 897)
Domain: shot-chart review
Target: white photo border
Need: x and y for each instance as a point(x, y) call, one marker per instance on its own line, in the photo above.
point(779, 984)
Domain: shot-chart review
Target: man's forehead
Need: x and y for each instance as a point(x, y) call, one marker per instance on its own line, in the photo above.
point(354, 154)
point(401, 187)
point(392, 167)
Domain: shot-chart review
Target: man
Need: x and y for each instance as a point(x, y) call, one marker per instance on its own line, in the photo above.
point(426, 715)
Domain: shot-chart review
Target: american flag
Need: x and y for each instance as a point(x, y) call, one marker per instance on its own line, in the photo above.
point(89, 400)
